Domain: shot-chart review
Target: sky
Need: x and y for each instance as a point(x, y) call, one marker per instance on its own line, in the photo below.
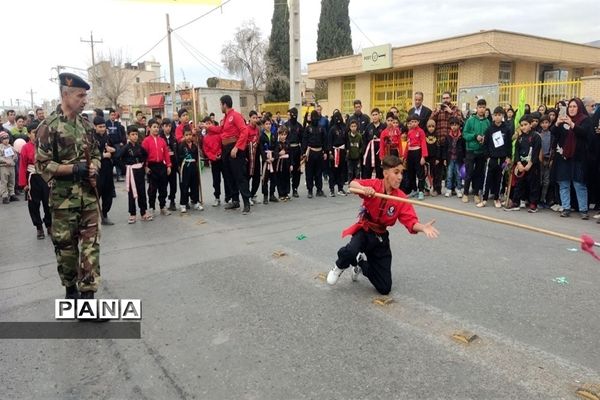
point(40, 34)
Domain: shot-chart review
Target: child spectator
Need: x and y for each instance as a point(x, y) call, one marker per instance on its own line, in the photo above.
point(355, 146)
point(436, 168)
point(134, 156)
point(415, 158)
point(527, 169)
point(454, 157)
point(497, 145)
point(8, 160)
point(474, 133)
point(36, 189)
point(187, 154)
point(253, 155)
point(546, 137)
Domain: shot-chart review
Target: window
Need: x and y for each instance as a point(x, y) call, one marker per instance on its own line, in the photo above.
point(505, 72)
point(392, 89)
point(348, 94)
point(505, 78)
point(446, 80)
point(243, 101)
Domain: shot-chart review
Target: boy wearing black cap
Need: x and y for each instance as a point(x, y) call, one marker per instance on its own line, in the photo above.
point(497, 145)
point(105, 182)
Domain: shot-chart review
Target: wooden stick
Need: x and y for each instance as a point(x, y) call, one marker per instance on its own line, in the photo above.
point(474, 215)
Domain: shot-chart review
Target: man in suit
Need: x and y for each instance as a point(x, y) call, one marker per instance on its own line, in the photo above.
point(423, 112)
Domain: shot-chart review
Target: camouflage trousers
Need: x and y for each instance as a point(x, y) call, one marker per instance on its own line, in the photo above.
point(73, 228)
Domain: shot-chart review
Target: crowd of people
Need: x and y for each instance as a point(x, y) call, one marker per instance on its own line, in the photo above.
point(549, 158)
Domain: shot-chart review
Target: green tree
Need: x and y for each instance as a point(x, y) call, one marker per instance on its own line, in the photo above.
point(334, 37)
point(278, 55)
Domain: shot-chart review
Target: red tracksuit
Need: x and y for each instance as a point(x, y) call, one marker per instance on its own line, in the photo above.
point(38, 188)
point(390, 143)
point(158, 161)
point(370, 235)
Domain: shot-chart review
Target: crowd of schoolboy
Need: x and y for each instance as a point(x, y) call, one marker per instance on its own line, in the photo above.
point(536, 163)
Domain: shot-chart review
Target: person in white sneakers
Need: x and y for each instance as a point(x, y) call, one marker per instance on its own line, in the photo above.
point(369, 249)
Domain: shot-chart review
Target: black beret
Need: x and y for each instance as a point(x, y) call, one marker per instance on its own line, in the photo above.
point(99, 121)
point(71, 80)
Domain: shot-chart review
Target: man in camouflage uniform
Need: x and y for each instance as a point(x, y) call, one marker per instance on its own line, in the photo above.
point(68, 157)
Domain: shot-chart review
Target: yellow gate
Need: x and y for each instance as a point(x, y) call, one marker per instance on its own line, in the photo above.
point(537, 93)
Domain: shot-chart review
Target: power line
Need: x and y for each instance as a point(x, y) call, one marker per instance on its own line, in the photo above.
point(152, 48)
point(199, 53)
point(193, 55)
point(202, 16)
point(360, 30)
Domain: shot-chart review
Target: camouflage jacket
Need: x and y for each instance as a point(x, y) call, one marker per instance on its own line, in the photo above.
point(63, 142)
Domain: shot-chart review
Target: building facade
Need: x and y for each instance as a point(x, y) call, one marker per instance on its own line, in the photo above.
point(492, 62)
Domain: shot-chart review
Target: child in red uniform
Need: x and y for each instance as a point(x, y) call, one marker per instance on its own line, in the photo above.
point(369, 249)
point(158, 167)
point(415, 158)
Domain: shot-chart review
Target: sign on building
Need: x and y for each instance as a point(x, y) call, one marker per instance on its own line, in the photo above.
point(378, 57)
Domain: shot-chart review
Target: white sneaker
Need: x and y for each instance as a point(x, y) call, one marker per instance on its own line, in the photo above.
point(459, 193)
point(448, 193)
point(522, 204)
point(165, 211)
point(183, 209)
point(217, 203)
point(251, 202)
point(198, 207)
point(334, 274)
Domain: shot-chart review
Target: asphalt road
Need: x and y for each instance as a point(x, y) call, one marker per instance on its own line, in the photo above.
point(223, 318)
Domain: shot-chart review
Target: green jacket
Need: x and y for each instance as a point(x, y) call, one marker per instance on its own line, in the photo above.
point(60, 142)
point(474, 127)
point(355, 145)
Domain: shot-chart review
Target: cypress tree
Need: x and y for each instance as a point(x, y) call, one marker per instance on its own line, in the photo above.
point(278, 55)
point(334, 37)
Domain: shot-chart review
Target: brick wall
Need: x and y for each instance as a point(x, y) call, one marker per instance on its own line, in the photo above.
point(334, 95)
point(363, 91)
point(590, 87)
point(423, 81)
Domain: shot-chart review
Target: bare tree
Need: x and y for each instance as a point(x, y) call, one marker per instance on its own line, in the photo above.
point(244, 56)
point(110, 81)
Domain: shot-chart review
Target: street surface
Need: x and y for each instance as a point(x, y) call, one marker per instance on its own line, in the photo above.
point(223, 318)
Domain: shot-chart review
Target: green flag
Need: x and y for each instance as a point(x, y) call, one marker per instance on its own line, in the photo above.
point(518, 115)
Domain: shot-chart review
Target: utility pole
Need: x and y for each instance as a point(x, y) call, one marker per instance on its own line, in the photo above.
point(92, 42)
point(31, 93)
point(172, 73)
point(295, 94)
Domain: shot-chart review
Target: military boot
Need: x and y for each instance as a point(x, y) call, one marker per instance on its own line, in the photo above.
point(72, 292)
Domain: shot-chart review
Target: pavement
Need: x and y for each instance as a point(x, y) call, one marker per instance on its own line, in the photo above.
point(226, 318)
